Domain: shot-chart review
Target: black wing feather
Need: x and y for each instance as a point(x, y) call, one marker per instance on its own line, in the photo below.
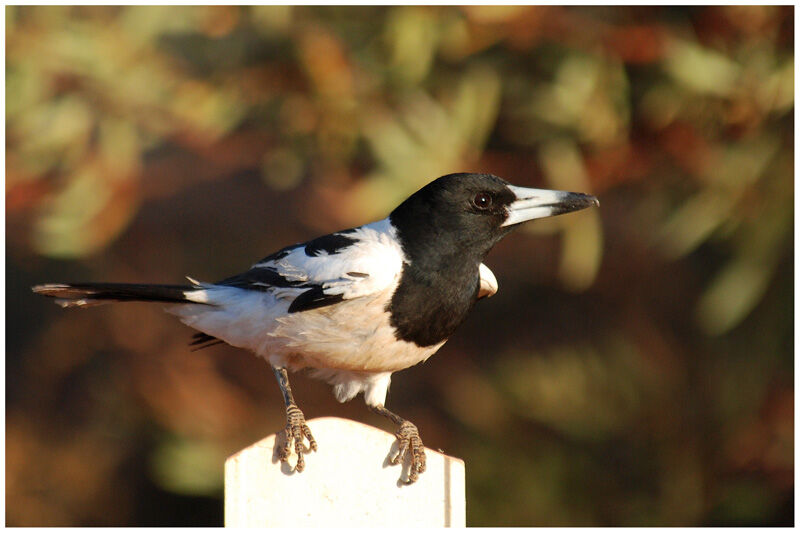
point(314, 298)
point(266, 276)
point(203, 340)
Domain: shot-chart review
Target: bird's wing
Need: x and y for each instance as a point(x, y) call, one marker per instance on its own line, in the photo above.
point(329, 269)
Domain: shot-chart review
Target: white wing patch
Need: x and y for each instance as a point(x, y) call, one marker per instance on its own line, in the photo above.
point(371, 263)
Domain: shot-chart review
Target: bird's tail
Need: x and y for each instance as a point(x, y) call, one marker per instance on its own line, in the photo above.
point(89, 294)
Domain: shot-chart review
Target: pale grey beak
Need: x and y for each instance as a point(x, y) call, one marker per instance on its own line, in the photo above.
point(541, 203)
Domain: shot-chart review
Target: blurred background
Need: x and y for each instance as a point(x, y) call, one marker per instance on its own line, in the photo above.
point(636, 366)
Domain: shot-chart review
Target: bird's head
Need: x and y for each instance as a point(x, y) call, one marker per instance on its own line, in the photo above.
point(470, 213)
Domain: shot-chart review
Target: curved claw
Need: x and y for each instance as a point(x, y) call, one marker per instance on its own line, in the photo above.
point(296, 430)
point(410, 447)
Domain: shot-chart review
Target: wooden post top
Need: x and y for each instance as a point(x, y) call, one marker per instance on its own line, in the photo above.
point(347, 482)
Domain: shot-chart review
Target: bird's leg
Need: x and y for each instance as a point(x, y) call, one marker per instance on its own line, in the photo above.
point(410, 444)
point(296, 427)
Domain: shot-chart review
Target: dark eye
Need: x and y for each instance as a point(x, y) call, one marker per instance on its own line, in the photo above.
point(482, 200)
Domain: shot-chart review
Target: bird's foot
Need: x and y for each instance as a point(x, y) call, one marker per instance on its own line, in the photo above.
point(411, 447)
point(296, 430)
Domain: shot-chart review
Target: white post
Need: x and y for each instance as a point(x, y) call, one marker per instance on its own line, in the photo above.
point(347, 482)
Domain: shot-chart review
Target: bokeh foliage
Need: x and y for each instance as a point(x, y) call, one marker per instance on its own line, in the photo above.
point(634, 369)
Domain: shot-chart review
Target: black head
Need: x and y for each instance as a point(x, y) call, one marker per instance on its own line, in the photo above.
point(466, 214)
point(446, 228)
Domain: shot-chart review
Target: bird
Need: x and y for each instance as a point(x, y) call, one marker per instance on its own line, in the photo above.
point(355, 306)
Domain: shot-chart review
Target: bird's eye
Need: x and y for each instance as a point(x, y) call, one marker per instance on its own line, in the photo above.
point(482, 200)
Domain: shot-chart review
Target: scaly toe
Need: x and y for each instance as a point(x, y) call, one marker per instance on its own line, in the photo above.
point(283, 451)
point(402, 450)
point(410, 446)
point(311, 442)
point(296, 430)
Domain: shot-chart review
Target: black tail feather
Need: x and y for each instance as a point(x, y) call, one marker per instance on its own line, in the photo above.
point(87, 294)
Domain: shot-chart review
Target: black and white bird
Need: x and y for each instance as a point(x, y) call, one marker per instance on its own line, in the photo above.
point(359, 304)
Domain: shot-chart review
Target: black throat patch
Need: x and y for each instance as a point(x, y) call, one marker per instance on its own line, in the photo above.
point(429, 305)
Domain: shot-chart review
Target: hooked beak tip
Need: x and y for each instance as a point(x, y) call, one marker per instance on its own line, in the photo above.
point(575, 201)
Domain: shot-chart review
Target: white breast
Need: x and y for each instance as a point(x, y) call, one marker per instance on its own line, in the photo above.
point(354, 335)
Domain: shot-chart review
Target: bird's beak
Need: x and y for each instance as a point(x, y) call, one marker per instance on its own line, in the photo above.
point(541, 203)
